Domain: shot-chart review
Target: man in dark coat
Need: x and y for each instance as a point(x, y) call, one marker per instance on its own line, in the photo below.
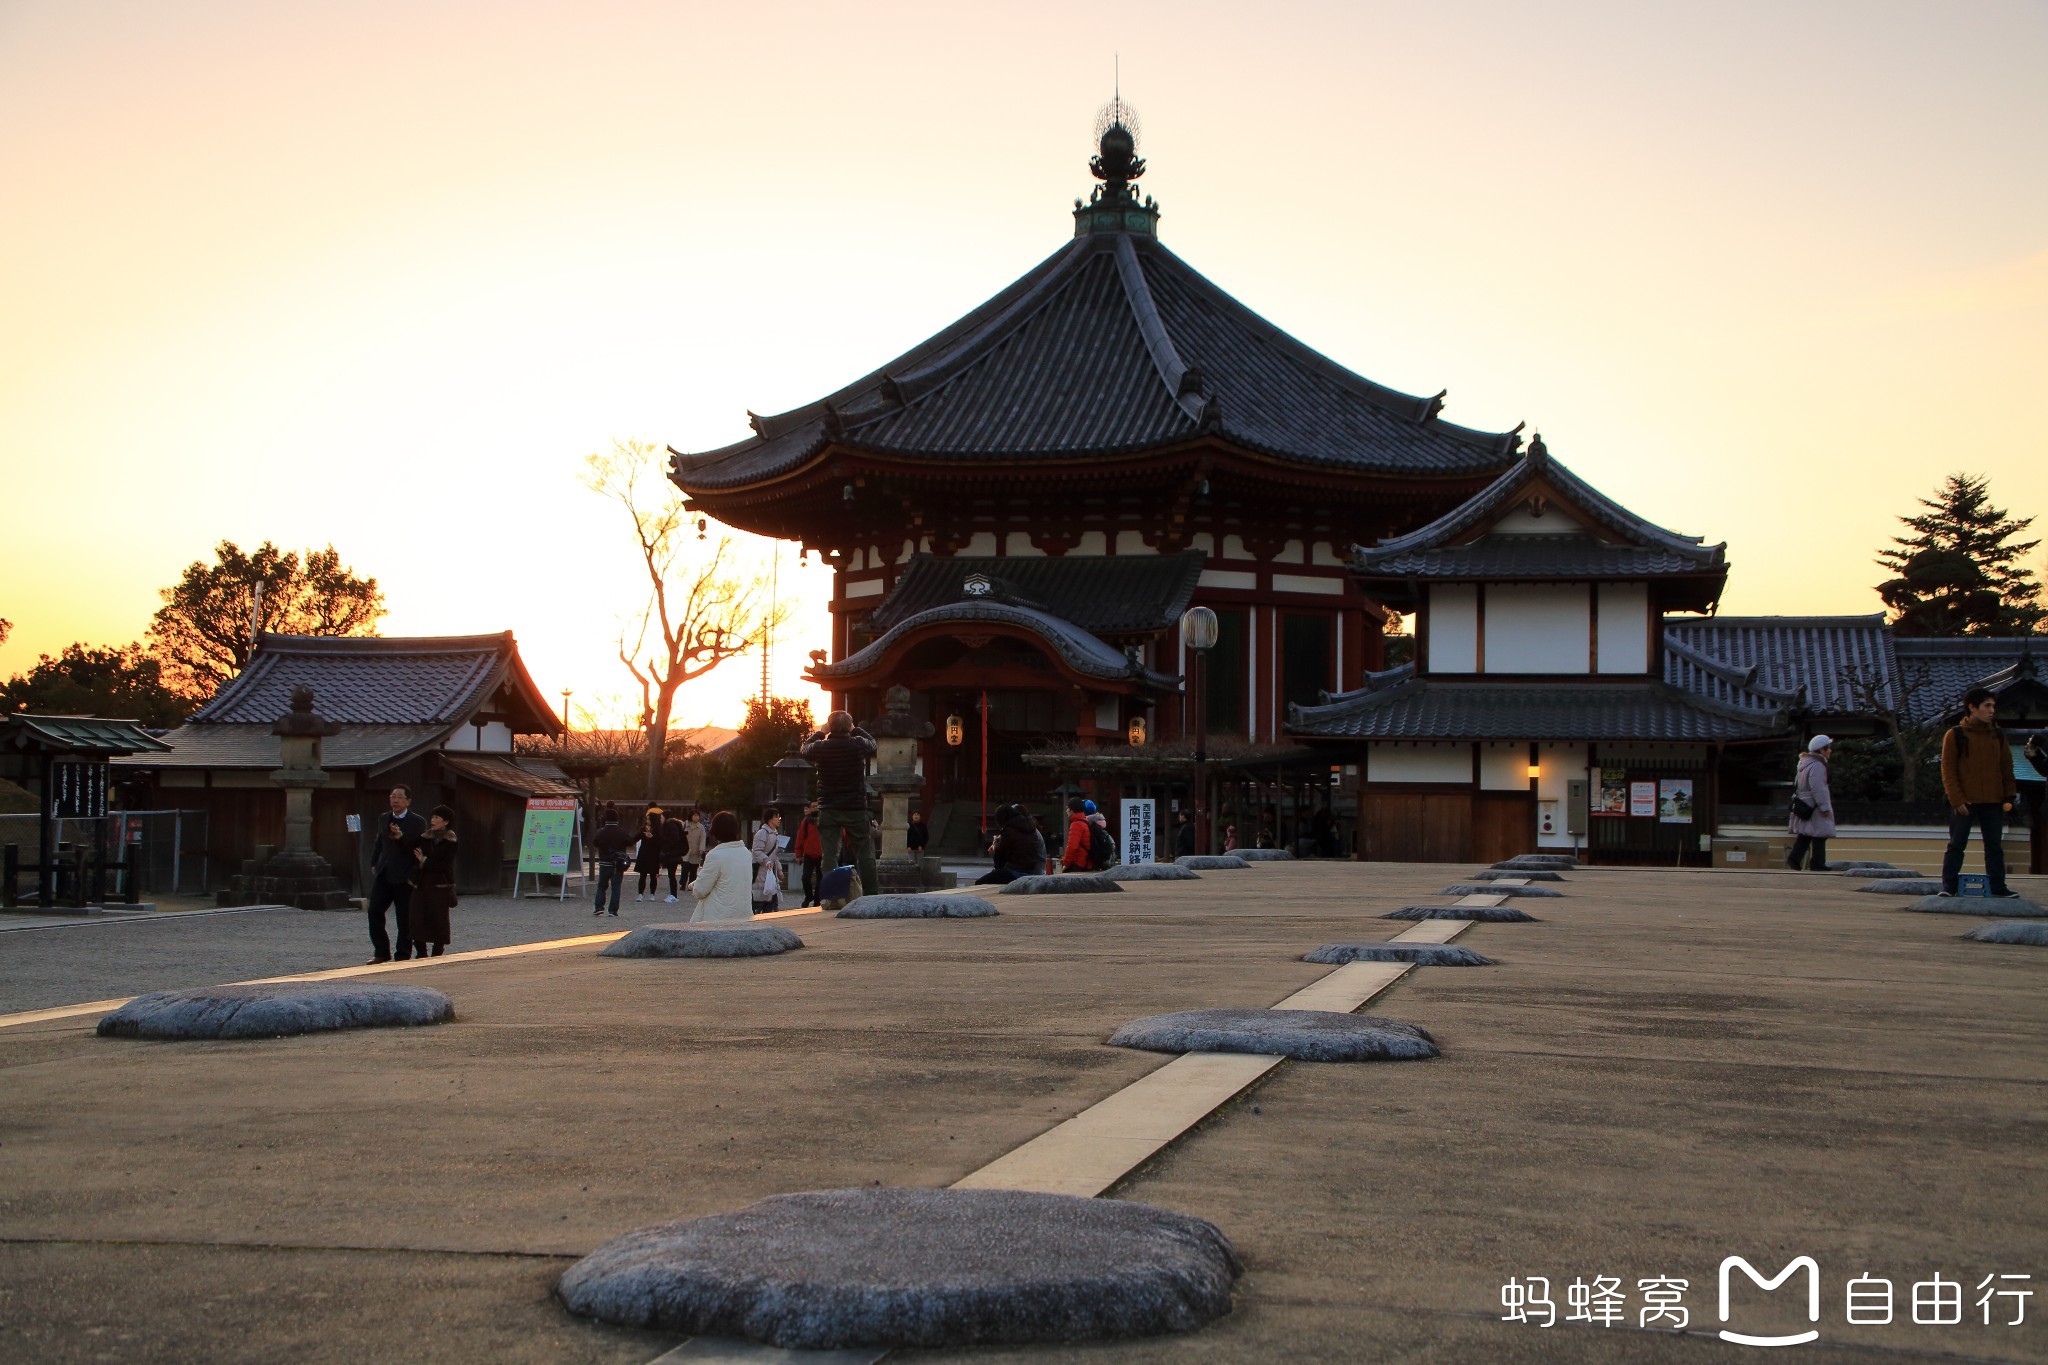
point(1977, 778)
point(840, 753)
point(614, 845)
point(392, 868)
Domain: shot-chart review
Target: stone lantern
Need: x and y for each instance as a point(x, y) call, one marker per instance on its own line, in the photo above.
point(294, 875)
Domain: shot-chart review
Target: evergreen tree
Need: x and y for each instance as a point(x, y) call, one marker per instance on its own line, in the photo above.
point(740, 778)
point(1957, 572)
point(202, 633)
point(117, 683)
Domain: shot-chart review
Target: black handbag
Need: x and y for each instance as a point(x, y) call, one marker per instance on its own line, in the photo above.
point(1803, 809)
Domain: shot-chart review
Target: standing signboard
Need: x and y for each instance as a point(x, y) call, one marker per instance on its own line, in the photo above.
point(550, 841)
point(1140, 831)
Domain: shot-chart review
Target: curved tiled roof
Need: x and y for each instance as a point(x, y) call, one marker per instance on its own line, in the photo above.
point(1759, 663)
point(1112, 344)
point(1099, 593)
point(1082, 652)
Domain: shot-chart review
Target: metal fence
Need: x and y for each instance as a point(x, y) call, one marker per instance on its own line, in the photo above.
point(163, 851)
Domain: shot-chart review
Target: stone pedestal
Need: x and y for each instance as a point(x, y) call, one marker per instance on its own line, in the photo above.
point(294, 875)
point(896, 778)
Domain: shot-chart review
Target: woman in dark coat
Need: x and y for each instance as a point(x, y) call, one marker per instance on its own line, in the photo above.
point(648, 861)
point(434, 893)
point(1018, 850)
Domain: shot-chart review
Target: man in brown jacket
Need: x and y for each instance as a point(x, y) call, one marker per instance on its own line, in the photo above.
point(1976, 777)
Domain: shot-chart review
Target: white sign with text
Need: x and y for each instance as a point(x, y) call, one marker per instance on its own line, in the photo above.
point(1139, 831)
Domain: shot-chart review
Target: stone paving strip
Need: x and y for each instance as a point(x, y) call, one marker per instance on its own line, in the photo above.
point(1107, 1141)
point(367, 969)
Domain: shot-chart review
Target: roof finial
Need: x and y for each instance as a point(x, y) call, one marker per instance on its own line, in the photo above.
point(1112, 207)
point(1539, 454)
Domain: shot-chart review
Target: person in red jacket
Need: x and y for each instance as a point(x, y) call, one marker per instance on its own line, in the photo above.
point(1076, 859)
point(810, 847)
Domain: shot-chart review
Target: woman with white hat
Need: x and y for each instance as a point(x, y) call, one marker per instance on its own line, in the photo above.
point(1813, 808)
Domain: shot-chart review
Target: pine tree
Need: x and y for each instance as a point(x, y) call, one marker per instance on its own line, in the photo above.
point(1957, 573)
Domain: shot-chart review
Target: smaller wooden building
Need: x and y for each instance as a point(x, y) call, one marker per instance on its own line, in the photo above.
point(438, 713)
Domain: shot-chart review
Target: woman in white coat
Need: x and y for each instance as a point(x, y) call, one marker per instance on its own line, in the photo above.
point(767, 844)
point(725, 885)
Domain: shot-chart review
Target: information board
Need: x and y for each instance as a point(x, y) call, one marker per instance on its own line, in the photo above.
point(547, 841)
point(1140, 831)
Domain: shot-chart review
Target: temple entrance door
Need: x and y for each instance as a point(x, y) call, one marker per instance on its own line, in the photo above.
point(1416, 826)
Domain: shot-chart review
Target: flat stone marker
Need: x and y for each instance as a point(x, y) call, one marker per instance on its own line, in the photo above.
point(1531, 874)
point(1491, 914)
point(275, 1010)
point(1304, 1035)
point(919, 907)
point(1261, 855)
point(1063, 884)
point(913, 1268)
point(1211, 862)
point(2033, 932)
point(1977, 905)
point(1421, 954)
point(1875, 873)
point(1499, 888)
point(1906, 886)
point(704, 940)
point(1152, 872)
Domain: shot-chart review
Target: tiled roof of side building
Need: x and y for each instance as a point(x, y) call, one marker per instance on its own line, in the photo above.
point(77, 735)
point(1538, 557)
point(1100, 593)
point(1936, 671)
point(1683, 553)
point(1428, 709)
point(371, 680)
point(1112, 344)
point(1830, 665)
point(250, 745)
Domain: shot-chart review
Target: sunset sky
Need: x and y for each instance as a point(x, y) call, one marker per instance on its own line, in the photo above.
point(381, 273)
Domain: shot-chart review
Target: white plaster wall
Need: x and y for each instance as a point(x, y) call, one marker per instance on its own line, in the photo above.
point(1203, 541)
point(1233, 548)
point(866, 587)
point(1091, 543)
point(1291, 553)
point(1018, 543)
point(1228, 578)
point(903, 555)
point(1301, 582)
point(1419, 763)
point(1324, 554)
point(1132, 543)
point(1536, 628)
point(493, 738)
point(1453, 628)
point(1504, 767)
point(1624, 640)
point(857, 560)
point(980, 543)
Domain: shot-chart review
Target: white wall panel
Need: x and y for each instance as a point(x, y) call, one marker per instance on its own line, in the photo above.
point(1419, 763)
point(1453, 628)
point(1624, 641)
point(1537, 628)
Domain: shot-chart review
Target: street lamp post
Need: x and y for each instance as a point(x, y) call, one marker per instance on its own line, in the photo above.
point(1198, 632)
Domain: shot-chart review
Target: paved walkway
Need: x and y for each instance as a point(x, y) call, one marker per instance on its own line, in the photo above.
point(50, 962)
point(1669, 1068)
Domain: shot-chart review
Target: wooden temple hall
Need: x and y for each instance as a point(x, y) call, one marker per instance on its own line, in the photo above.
point(1022, 507)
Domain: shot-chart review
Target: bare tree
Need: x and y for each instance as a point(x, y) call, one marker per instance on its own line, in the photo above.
point(701, 609)
point(1893, 702)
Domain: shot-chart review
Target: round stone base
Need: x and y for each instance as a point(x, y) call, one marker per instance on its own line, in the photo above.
point(918, 907)
point(2033, 932)
point(1421, 954)
point(1492, 914)
point(275, 1010)
point(1495, 889)
point(913, 1268)
point(1875, 874)
point(1860, 863)
point(1304, 1035)
point(1978, 905)
point(1555, 862)
point(1263, 855)
point(1211, 862)
point(704, 940)
point(1912, 886)
point(1534, 874)
point(1152, 872)
point(1063, 884)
